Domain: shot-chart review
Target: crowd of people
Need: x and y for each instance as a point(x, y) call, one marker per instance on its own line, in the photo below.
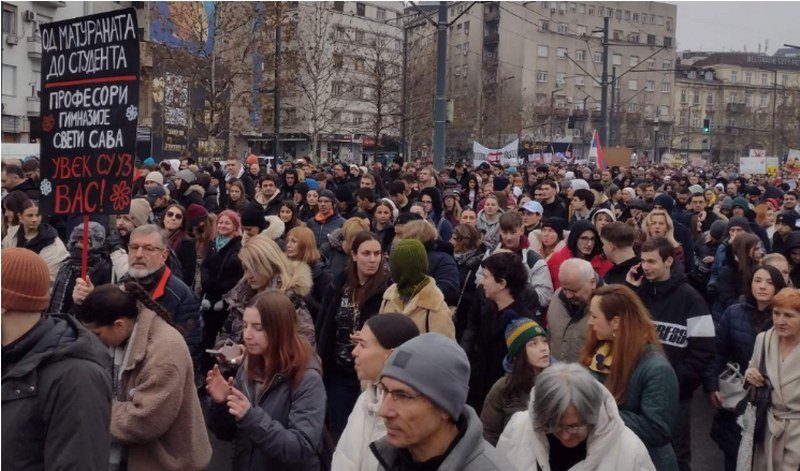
point(347, 317)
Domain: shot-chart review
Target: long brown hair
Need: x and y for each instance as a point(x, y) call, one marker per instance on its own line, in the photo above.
point(741, 247)
point(306, 245)
point(287, 352)
point(376, 281)
point(636, 331)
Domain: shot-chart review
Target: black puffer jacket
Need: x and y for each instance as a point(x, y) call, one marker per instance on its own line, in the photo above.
point(322, 279)
point(792, 242)
point(468, 267)
point(221, 269)
point(442, 268)
point(56, 399)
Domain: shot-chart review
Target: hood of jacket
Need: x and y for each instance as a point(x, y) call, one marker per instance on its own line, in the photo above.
point(482, 217)
point(195, 189)
point(55, 337)
point(336, 239)
point(429, 297)
point(45, 236)
point(298, 280)
point(792, 242)
point(663, 288)
point(574, 234)
point(275, 227)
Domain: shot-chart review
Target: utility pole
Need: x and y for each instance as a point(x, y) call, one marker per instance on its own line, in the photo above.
point(612, 128)
point(604, 115)
point(440, 111)
point(403, 148)
point(277, 111)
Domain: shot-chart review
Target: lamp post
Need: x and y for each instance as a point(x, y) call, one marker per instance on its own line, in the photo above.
point(655, 140)
point(500, 110)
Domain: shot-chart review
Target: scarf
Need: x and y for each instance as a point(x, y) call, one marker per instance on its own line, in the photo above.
point(176, 239)
point(220, 242)
point(321, 218)
point(462, 257)
point(601, 360)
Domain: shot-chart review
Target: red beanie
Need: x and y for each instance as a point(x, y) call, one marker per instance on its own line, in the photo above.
point(25, 281)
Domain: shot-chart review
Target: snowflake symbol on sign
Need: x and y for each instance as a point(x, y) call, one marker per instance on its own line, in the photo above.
point(131, 113)
point(121, 195)
point(45, 187)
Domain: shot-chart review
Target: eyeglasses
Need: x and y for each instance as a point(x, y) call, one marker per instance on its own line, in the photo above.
point(426, 202)
point(133, 248)
point(568, 429)
point(171, 214)
point(399, 396)
point(586, 239)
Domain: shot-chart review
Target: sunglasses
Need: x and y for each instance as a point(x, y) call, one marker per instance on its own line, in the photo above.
point(171, 214)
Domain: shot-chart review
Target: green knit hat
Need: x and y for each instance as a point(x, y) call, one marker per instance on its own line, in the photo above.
point(409, 265)
point(518, 332)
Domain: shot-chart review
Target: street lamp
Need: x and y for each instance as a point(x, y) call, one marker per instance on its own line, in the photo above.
point(655, 141)
point(500, 110)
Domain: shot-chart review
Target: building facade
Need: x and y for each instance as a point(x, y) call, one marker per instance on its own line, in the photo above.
point(750, 101)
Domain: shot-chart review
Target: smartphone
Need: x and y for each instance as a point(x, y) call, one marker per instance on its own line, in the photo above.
point(638, 272)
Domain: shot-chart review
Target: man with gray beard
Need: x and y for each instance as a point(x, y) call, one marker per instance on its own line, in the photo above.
point(147, 256)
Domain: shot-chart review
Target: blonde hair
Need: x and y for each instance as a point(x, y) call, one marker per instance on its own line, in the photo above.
point(670, 235)
point(262, 255)
point(350, 228)
point(420, 229)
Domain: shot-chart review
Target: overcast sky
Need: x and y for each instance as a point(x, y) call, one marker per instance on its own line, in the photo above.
point(725, 26)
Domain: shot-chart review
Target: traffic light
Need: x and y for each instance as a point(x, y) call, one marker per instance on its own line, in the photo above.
point(706, 126)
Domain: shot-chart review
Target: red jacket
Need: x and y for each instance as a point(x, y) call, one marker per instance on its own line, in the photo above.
point(599, 262)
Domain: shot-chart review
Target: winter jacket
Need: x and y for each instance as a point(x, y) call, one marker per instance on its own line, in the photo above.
point(618, 273)
point(651, 406)
point(538, 272)
point(490, 229)
point(469, 305)
point(333, 252)
point(471, 453)
point(30, 188)
point(684, 326)
point(427, 309)
point(485, 344)
point(186, 253)
point(322, 229)
point(442, 268)
point(364, 426)
point(56, 396)
point(283, 427)
point(600, 264)
point(610, 446)
point(321, 279)
point(221, 269)
point(736, 336)
point(158, 418)
point(46, 244)
point(729, 287)
point(792, 242)
point(498, 409)
point(326, 321)
point(211, 200)
point(567, 325)
point(298, 286)
point(180, 301)
point(193, 194)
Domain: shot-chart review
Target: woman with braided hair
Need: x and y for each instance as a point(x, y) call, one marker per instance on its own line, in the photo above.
point(156, 420)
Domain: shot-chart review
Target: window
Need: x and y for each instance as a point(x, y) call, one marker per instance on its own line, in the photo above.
point(764, 100)
point(590, 10)
point(358, 64)
point(579, 80)
point(541, 99)
point(665, 87)
point(748, 77)
point(644, 18)
point(359, 36)
point(357, 118)
point(562, 28)
point(650, 64)
point(544, 26)
point(617, 35)
point(763, 79)
point(581, 8)
point(627, 15)
point(710, 99)
point(381, 14)
point(561, 77)
point(336, 116)
point(580, 55)
point(560, 101)
point(543, 51)
point(616, 59)
point(709, 75)
point(695, 122)
point(651, 39)
point(341, 34)
point(597, 57)
point(561, 52)
point(9, 75)
point(660, 20)
point(466, 28)
point(666, 65)
point(601, 11)
point(632, 108)
point(635, 17)
point(692, 74)
point(633, 38)
point(577, 132)
point(696, 98)
point(650, 85)
point(683, 95)
point(633, 85)
point(618, 14)
point(652, 19)
point(361, 9)
point(338, 61)
point(541, 76)
point(581, 30)
point(572, 7)
point(337, 88)
point(733, 76)
point(667, 41)
point(465, 70)
point(733, 97)
point(562, 7)
point(669, 23)
point(9, 19)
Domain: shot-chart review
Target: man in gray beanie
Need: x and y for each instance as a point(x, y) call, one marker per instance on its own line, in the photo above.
point(428, 424)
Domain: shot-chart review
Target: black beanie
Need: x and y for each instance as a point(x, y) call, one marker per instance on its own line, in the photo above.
point(392, 329)
point(253, 216)
point(343, 194)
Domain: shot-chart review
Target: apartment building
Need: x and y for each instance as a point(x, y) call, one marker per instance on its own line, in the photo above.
point(22, 56)
point(749, 99)
point(525, 68)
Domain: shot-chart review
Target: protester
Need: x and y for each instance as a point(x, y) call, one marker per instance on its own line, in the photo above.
point(779, 446)
point(567, 315)
point(327, 219)
point(424, 388)
point(301, 246)
point(618, 240)
point(528, 355)
point(374, 343)
point(181, 243)
point(622, 350)
point(744, 257)
point(274, 409)
point(336, 250)
point(488, 221)
point(441, 263)
point(156, 418)
point(38, 237)
point(572, 422)
point(56, 392)
point(468, 251)
point(584, 243)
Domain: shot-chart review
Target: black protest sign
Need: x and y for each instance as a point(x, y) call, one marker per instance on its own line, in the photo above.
point(90, 101)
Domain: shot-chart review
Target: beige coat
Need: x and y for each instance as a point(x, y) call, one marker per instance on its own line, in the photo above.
point(567, 335)
point(160, 420)
point(780, 450)
point(427, 309)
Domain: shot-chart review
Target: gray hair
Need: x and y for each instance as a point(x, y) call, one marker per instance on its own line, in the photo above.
point(149, 229)
point(577, 265)
point(560, 386)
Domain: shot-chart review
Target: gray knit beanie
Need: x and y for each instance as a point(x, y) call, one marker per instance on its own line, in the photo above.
point(434, 365)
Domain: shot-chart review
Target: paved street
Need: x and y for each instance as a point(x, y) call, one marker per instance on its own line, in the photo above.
point(705, 453)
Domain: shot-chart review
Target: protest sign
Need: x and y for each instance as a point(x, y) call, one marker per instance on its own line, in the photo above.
point(753, 165)
point(758, 153)
point(793, 160)
point(89, 109)
point(773, 166)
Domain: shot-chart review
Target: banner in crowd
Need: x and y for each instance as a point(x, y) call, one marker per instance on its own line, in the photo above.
point(89, 110)
point(508, 155)
point(758, 153)
point(753, 165)
point(773, 166)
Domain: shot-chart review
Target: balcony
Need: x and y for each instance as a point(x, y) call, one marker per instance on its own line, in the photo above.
point(32, 105)
point(734, 107)
point(492, 13)
point(35, 48)
point(491, 38)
